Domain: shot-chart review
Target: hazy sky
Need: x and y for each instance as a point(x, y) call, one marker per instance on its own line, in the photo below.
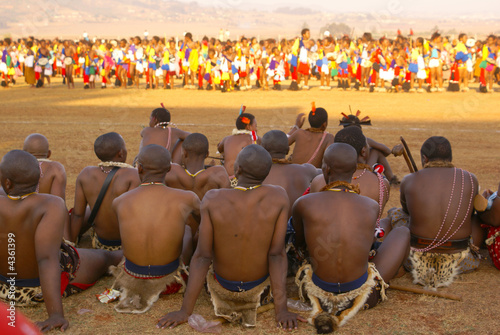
point(491, 8)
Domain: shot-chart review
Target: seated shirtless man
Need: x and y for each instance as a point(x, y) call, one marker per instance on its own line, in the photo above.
point(310, 144)
point(35, 265)
point(438, 202)
point(242, 231)
point(151, 244)
point(161, 132)
point(340, 280)
point(53, 175)
point(294, 178)
point(371, 184)
point(110, 149)
point(230, 146)
point(192, 175)
point(377, 152)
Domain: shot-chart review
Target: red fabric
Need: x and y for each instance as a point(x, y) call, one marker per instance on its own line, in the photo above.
point(307, 191)
point(358, 73)
point(494, 249)
point(64, 281)
point(86, 78)
point(482, 77)
point(303, 69)
point(174, 287)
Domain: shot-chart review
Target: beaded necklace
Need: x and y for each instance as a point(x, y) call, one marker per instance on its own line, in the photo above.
point(281, 161)
point(365, 168)
point(334, 187)
point(194, 174)
point(162, 125)
point(241, 188)
point(102, 165)
point(20, 197)
point(152, 183)
point(315, 130)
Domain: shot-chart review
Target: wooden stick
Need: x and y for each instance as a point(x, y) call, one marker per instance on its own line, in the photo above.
point(213, 157)
point(260, 310)
point(408, 157)
point(426, 292)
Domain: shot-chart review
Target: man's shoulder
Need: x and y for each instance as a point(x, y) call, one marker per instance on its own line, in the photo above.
point(56, 166)
point(87, 171)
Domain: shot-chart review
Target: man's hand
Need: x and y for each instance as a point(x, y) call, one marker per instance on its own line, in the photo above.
point(55, 321)
point(487, 193)
point(397, 150)
point(173, 319)
point(288, 320)
point(301, 118)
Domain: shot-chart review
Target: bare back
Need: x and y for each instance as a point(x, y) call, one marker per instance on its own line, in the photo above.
point(307, 144)
point(22, 219)
point(230, 147)
point(89, 184)
point(200, 182)
point(152, 223)
point(426, 196)
point(294, 178)
point(52, 179)
point(338, 228)
point(244, 224)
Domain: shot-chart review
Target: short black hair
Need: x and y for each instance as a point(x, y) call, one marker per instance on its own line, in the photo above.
point(275, 142)
point(189, 35)
point(161, 114)
point(196, 143)
point(304, 31)
point(437, 148)
point(21, 168)
point(244, 120)
point(318, 117)
point(352, 136)
point(108, 145)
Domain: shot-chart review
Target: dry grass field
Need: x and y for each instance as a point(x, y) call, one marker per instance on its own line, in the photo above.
point(72, 119)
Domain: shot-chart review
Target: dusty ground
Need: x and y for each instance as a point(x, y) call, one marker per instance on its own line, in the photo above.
point(72, 120)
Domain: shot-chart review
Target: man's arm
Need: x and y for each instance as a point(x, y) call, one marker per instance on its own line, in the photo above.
point(58, 187)
point(278, 268)
point(198, 269)
point(299, 122)
point(182, 134)
point(379, 146)
point(491, 216)
point(220, 146)
point(78, 214)
point(48, 237)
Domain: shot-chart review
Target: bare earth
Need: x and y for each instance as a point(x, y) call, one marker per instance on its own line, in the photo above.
point(72, 120)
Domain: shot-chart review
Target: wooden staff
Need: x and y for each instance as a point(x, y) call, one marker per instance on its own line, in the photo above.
point(408, 157)
point(426, 292)
point(260, 310)
point(213, 157)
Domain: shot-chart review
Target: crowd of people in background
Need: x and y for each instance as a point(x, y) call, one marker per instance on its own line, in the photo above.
point(404, 63)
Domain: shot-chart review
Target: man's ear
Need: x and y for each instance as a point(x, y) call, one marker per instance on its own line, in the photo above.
point(169, 168)
point(122, 153)
point(8, 185)
point(49, 153)
point(425, 160)
point(364, 152)
point(139, 169)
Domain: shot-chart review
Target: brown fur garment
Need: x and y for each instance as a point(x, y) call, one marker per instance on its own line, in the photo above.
point(236, 306)
point(138, 295)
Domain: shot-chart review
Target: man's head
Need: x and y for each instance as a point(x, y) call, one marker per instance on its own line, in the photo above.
point(195, 144)
point(339, 163)
point(37, 145)
point(253, 162)
point(318, 118)
point(19, 169)
point(110, 147)
point(436, 148)
point(153, 160)
point(306, 33)
point(355, 138)
point(276, 143)
point(159, 115)
point(246, 121)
